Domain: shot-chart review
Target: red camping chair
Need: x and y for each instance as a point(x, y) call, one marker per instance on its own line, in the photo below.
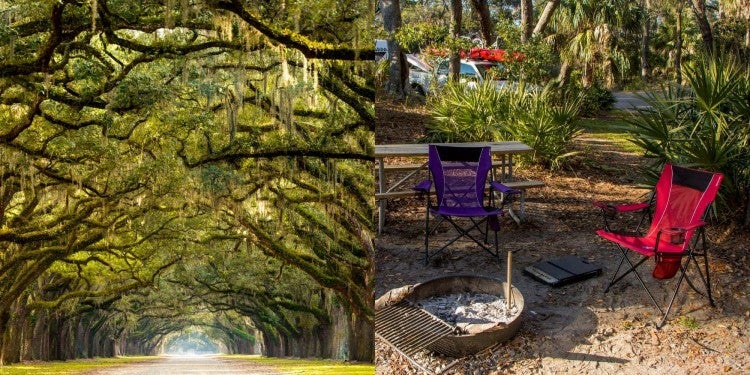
point(680, 200)
point(458, 175)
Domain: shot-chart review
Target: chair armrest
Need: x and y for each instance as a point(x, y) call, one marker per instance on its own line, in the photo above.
point(503, 189)
point(423, 187)
point(622, 207)
point(671, 230)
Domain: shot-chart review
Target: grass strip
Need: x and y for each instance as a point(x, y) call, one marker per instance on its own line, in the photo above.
point(613, 129)
point(309, 366)
point(70, 367)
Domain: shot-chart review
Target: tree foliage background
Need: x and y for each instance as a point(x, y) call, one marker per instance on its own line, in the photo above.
point(185, 163)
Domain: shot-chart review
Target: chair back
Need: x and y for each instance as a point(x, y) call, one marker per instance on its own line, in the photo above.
point(683, 196)
point(459, 174)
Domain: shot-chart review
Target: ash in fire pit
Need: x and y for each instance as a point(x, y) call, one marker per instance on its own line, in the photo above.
point(483, 320)
point(464, 309)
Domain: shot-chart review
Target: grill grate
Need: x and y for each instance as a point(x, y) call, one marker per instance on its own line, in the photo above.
point(409, 328)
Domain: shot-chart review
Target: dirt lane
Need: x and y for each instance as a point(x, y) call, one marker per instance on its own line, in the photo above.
point(194, 365)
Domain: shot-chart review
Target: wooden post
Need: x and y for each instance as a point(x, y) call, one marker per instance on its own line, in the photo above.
point(509, 287)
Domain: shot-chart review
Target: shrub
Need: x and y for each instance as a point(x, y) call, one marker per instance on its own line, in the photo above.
point(704, 125)
point(465, 115)
point(413, 37)
point(546, 126)
point(540, 62)
point(594, 100)
point(514, 112)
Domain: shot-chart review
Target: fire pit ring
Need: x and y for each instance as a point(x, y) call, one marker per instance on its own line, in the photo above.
point(396, 315)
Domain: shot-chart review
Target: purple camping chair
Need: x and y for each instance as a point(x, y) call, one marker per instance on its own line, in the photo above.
point(458, 175)
point(680, 204)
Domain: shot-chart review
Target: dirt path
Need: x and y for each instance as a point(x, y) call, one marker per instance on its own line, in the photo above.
point(577, 328)
point(179, 365)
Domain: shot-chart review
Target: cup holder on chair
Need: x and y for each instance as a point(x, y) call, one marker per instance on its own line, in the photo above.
point(676, 235)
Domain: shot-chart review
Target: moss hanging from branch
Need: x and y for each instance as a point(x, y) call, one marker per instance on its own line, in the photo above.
point(308, 47)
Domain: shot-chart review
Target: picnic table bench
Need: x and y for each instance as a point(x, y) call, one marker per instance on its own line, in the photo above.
point(503, 161)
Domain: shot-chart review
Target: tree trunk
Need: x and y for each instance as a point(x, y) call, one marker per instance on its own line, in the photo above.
point(482, 11)
point(564, 75)
point(678, 46)
point(699, 10)
point(546, 16)
point(361, 339)
point(587, 80)
point(397, 81)
point(27, 343)
point(645, 42)
point(40, 348)
point(455, 32)
point(274, 347)
point(527, 16)
point(4, 340)
point(93, 337)
point(15, 331)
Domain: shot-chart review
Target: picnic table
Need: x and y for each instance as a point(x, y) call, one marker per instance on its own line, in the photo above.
point(502, 153)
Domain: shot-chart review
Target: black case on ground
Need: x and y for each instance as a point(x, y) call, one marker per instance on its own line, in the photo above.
point(561, 271)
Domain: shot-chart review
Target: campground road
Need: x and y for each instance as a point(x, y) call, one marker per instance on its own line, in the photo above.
point(189, 365)
point(629, 100)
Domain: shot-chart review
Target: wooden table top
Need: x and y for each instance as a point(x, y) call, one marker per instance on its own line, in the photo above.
point(416, 149)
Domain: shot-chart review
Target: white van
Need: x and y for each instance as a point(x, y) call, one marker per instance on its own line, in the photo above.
point(472, 72)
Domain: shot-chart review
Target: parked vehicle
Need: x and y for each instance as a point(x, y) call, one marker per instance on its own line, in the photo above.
point(472, 72)
point(420, 74)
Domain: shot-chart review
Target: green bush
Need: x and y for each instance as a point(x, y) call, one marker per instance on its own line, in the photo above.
point(414, 37)
point(703, 125)
point(540, 61)
point(595, 100)
point(548, 127)
point(465, 115)
point(484, 113)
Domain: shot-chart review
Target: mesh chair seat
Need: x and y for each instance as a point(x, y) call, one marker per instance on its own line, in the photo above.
point(643, 245)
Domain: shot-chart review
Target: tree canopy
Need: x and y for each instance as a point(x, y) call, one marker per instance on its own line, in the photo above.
point(170, 164)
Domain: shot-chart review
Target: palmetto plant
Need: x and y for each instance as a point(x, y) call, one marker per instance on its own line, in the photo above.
point(705, 125)
point(515, 112)
point(542, 123)
point(466, 115)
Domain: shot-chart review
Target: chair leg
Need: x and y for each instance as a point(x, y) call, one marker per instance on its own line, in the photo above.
point(705, 264)
point(427, 238)
point(614, 275)
point(497, 248)
point(467, 233)
point(708, 279)
point(674, 295)
point(683, 276)
point(462, 232)
point(616, 279)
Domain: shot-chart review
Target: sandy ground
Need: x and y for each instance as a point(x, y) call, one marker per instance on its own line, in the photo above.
point(179, 365)
point(575, 328)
